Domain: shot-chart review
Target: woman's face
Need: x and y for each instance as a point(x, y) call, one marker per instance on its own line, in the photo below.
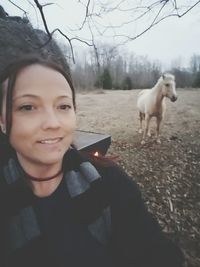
point(43, 116)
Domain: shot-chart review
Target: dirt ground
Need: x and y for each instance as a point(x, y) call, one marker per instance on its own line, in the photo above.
point(167, 173)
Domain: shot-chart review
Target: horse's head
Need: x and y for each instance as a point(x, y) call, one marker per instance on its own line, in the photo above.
point(169, 87)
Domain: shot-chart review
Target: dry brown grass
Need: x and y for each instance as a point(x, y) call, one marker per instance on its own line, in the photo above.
point(168, 174)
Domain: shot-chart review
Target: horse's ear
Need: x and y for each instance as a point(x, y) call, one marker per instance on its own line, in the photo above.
point(163, 76)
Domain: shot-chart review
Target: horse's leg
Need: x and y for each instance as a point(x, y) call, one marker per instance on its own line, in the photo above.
point(141, 118)
point(149, 132)
point(159, 120)
point(146, 129)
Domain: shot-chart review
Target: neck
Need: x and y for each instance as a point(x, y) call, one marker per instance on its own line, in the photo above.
point(39, 169)
point(43, 179)
point(46, 187)
point(157, 89)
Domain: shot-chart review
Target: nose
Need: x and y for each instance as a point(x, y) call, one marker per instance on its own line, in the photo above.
point(50, 119)
point(174, 98)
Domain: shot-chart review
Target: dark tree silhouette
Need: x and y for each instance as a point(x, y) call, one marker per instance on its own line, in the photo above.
point(106, 79)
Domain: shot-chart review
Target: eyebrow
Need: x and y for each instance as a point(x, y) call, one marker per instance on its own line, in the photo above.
point(37, 97)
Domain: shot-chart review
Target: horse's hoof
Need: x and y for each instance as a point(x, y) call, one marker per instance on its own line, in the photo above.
point(149, 134)
point(142, 142)
point(158, 141)
point(140, 131)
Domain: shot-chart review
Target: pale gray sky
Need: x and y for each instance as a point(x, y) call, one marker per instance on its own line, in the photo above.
point(170, 40)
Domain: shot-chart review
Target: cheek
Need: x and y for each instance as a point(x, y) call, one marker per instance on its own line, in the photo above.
point(21, 130)
point(17, 134)
point(72, 126)
point(72, 121)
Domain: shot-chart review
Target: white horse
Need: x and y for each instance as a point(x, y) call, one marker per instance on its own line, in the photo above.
point(151, 103)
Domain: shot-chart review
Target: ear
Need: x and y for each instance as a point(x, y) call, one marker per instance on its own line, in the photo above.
point(2, 125)
point(163, 76)
point(1, 120)
point(3, 128)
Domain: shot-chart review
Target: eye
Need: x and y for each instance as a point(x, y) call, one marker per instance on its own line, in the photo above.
point(65, 107)
point(167, 84)
point(26, 107)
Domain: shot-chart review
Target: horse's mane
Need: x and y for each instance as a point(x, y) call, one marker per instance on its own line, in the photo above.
point(166, 76)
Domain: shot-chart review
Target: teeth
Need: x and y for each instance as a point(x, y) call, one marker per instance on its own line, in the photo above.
point(50, 141)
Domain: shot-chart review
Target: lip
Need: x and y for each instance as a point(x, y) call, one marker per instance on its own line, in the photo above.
point(50, 141)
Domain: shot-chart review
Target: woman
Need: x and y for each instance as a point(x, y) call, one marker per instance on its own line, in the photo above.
point(58, 207)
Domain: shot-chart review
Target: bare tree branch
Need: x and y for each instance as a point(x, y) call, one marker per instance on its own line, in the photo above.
point(189, 9)
point(174, 13)
point(147, 29)
point(30, 3)
point(48, 4)
point(96, 53)
point(158, 13)
point(40, 7)
point(149, 13)
point(86, 15)
point(18, 7)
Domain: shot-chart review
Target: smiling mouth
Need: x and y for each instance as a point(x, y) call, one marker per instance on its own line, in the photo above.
point(51, 141)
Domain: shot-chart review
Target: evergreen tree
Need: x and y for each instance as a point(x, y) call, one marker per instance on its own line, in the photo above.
point(98, 83)
point(127, 83)
point(106, 79)
point(197, 80)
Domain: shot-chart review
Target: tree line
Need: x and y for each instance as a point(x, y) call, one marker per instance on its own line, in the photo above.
point(115, 70)
point(105, 66)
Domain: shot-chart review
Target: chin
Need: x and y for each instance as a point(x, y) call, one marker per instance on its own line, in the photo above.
point(49, 162)
point(51, 159)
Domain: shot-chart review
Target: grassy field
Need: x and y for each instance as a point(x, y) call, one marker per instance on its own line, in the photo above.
point(168, 174)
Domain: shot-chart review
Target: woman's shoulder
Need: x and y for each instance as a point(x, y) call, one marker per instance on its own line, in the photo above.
point(116, 178)
point(113, 176)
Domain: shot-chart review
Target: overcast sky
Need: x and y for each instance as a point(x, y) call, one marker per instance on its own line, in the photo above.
point(170, 40)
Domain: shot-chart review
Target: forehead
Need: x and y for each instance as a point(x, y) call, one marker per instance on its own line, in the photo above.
point(39, 79)
point(169, 78)
point(169, 81)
